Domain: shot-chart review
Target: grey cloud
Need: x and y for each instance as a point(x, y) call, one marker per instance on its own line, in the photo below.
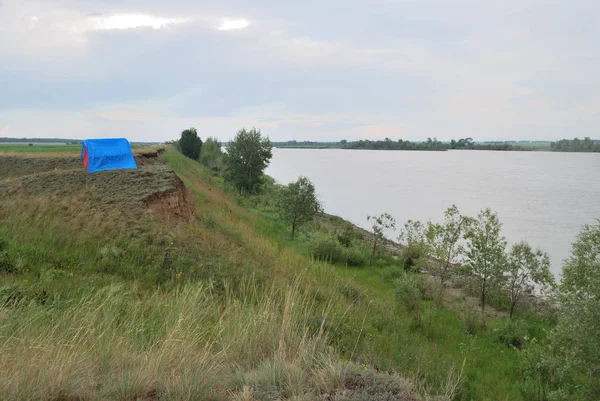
point(427, 68)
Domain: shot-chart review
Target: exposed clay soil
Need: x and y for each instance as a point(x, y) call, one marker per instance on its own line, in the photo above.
point(173, 205)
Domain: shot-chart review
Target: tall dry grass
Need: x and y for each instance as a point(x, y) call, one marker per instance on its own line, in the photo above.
point(190, 344)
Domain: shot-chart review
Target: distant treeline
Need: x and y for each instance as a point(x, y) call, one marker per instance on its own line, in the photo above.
point(40, 140)
point(564, 145)
point(434, 144)
point(387, 144)
point(58, 140)
point(307, 144)
point(576, 145)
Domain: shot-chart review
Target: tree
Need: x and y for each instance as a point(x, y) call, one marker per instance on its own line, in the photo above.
point(380, 224)
point(299, 203)
point(190, 144)
point(211, 155)
point(443, 244)
point(485, 252)
point(248, 154)
point(577, 335)
point(413, 236)
point(526, 271)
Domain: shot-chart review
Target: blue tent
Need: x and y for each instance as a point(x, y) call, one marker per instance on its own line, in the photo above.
point(107, 154)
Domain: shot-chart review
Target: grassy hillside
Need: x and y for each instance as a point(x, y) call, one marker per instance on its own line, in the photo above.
point(125, 285)
point(39, 148)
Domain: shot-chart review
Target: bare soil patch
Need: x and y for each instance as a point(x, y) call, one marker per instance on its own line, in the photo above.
point(173, 205)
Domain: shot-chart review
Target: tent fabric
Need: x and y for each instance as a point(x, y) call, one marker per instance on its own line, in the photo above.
point(107, 154)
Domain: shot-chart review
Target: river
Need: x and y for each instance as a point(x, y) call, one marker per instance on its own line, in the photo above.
point(542, 197)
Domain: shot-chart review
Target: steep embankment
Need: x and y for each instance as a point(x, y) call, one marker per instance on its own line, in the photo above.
point(124, 285)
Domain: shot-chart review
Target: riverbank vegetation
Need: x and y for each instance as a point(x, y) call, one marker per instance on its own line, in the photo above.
point(576, 145)
point(430, 144)
point(564, 145)
point(472, 255)
point(469, 257)
point(114, 303)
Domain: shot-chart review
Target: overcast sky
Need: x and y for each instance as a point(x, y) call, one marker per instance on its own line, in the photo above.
point(301, 69)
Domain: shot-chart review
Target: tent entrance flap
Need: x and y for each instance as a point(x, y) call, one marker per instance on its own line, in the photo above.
point(107, 154)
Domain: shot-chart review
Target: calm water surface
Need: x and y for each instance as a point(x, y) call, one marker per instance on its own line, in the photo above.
point(542, 197)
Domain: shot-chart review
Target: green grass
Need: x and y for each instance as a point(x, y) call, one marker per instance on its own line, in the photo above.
point(387, 338)
point(37, 148)
point(101, 300)
point(177, 345)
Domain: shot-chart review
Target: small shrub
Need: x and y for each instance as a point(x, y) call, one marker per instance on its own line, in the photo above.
point(430, 288)
point(512, 334)
point(352, 293)
point(280, 379)
point(347, 242)
point(368, 385)
point(471, 321)
point(408, 292)
point(355, 256)
point(542, 375)
point(6, 264)
point(324, 246)
point(209, 222)
point(394, 273)
point(346, 235)
point(411, 257)
point(381, 262)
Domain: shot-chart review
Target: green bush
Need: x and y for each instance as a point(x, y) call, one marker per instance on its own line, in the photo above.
point(411, 257)
point(324, 246)
point(543, 377)
point(393, 273)
point(430, 288)
point(266, 199)
point(512, 333)
point(381, 262)
point(344, 239)
point(351, 293)
point(355, 256)
point(347, 235)
point(190, 144)
point(408, 292)
point(211, 155)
